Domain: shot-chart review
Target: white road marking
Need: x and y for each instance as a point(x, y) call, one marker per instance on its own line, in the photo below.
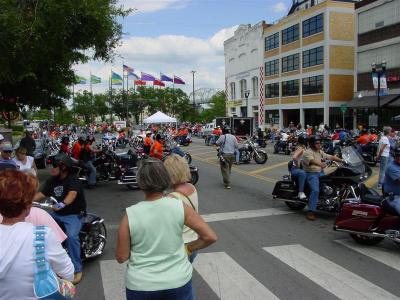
point(391, 258)
point(113, 278)
point(330, 276)
point(228, 279)
point(245, 214)
point(234, 215)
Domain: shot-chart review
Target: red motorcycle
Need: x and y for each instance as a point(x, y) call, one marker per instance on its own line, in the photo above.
point(370, 221)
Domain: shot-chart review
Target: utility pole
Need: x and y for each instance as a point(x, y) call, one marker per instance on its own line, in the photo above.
point(194, 101)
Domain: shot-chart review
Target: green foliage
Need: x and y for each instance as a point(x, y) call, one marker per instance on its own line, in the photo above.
point(41, 114)
point(17, 127)
point(84, 106)
point(218, 108)
point(42, 40)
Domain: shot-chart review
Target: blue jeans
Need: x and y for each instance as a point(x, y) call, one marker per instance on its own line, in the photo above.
point(382, 169)
point(301, 177)
point(395, 203)
point(182, 293)
point(237, 155)
point(313, 182)
point(92, 172)
point(72, 225)
point(178, 151)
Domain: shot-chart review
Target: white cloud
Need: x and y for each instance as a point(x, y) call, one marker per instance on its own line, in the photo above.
point(280, 7)
point(154, 5)
point(170, 54)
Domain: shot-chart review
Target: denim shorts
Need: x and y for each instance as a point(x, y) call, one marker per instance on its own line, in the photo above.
point(181, 293)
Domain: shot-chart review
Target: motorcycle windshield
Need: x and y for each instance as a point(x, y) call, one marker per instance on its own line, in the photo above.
point(351, 156)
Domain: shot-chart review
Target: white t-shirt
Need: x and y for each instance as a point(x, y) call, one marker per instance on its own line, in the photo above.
point(285, 137)
point(27, 167)
point(17, 260)
point(384, 141)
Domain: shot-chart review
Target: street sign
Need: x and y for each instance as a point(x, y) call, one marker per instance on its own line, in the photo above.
point(343, 108)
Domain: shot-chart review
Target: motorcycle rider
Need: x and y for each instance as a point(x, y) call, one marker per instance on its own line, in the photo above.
point(67, 190)
point(147, 143)
point(28, 143)
point(156, 150)
point(64, 147)
point(296, 170)
point(392, 180)
point(77, 148)
point(87, 154)
point(313, 165)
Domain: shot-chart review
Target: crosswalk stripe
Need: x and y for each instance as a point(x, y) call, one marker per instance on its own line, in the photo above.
point(388, 257)
point(245, 214)
point(112, 276)
point(228, 279)
point(330, 276)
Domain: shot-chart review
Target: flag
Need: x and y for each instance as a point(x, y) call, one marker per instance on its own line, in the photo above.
point(94, 79)
point(158, 82)
point(140, 82)
point(178, 80)
point(116, 79)
point(133, 75)
point(127, 70)
point(147, 77)
point(80, 79)
point(164, 77)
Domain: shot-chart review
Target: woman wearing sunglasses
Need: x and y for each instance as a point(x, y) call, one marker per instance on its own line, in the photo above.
point(5, 157)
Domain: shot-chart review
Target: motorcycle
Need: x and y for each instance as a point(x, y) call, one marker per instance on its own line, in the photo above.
point(370, 221)
point(171, 147)
point(249, 151)
point(368, 152)
point(282, 146)
point(93, 234)
point(121, 143)
point(336, 187)
point(183, 140)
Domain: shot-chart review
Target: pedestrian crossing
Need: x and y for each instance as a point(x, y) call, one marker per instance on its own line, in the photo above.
point(228, 279)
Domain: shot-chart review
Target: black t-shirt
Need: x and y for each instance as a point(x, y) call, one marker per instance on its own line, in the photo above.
point(60, 188)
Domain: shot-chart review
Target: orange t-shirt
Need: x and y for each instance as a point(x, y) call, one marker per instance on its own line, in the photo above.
point(373, 137)
point(157, 147)
point(147, 141)
point(363, 140)
point(76, 150)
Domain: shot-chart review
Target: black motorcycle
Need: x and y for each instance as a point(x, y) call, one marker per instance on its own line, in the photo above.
point(368, 152)
point(250, 151)
point(282, 147)
point(336, 187)
point(93, 234)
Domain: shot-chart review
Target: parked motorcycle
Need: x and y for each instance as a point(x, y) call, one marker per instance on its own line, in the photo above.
point(370, 221)
point(250, 151)
point(335, 187)
point(93, 234)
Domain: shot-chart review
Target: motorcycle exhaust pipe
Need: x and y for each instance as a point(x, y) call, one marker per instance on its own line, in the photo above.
point(288, 200)
point(370, 234)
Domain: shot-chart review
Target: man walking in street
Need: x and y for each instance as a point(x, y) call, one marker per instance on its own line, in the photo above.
point(383, 154)
point(28, 143)
point(227, 143)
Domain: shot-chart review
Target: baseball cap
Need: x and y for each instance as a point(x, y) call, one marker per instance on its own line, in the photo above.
point(6, 147)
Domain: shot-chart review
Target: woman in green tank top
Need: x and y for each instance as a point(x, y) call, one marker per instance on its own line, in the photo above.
point(150, 238)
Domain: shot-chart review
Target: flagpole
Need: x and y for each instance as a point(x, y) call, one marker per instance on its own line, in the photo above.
point(173, 81)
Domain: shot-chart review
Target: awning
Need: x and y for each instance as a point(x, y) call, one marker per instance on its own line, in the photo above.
point(394, 103)
point(371, 101)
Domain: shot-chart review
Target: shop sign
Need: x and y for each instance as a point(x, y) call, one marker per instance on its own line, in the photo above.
point(393, 78)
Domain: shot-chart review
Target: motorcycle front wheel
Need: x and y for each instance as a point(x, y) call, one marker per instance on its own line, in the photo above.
point(195, 178)
point(366, 240)
point(260, 157)
point(188, 158)
point(295, 205)
point(95, 241)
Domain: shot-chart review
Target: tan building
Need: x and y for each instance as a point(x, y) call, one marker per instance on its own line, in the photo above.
point(309, 64)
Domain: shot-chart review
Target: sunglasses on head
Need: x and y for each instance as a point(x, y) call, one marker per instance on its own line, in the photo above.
point(7, 151)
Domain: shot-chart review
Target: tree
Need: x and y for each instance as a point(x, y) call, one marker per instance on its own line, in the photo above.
point(100, 106)
point(218, 107)
point(83, 106)
point(42, 40)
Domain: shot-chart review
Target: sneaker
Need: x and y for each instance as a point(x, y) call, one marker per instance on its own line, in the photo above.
point(227, 187)
point(302, 196)
point(310, 216)
point(77, 278)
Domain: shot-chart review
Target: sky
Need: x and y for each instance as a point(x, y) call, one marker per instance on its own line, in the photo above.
point(178, 36)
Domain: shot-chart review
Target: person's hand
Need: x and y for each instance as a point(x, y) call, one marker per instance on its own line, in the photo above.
point(323, 165)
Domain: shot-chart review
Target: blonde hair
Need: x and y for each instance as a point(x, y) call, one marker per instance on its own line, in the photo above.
point(178, 169)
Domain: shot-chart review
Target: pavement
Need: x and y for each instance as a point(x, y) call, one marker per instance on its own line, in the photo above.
point(264, 251)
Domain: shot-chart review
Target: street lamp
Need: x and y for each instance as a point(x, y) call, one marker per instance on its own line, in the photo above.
point(194, 101)
point(246, 94)
point(379, 70)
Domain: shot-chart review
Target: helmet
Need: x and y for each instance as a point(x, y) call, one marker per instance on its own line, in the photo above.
point(63, 161)
point(396, 151)
point(65, 139)
point(226, 130)
point(313, 139)
point(302, 139)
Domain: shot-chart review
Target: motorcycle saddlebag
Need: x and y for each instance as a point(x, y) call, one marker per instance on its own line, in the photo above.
point(285, 189)
point(357, 216)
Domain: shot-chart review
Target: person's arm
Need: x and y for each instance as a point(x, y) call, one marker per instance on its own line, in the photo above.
point(123, 249)
point(382, 148)
point(206, 236)
point(39, 196)
point(59, 260)
point(219, 141)
point(297, 154)
point(34, 167)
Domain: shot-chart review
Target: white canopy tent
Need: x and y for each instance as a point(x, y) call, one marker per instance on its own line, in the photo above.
point(159, 118)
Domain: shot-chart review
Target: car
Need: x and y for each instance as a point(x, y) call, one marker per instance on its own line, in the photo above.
point(40, 154)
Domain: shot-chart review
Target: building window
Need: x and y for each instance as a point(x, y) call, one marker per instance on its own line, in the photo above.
point(243, 88)
point(255, 86)
point(272, 67)
point(313, 25)
point(290, 34)
point(313, 57)
point(290, 88)
point(290, 63)
point(233, 91)
point(313, 85)
point(233, 110)
point(272, 90)
point(272, 41)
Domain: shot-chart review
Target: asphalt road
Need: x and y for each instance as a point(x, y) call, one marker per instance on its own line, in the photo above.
point(264, 251)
